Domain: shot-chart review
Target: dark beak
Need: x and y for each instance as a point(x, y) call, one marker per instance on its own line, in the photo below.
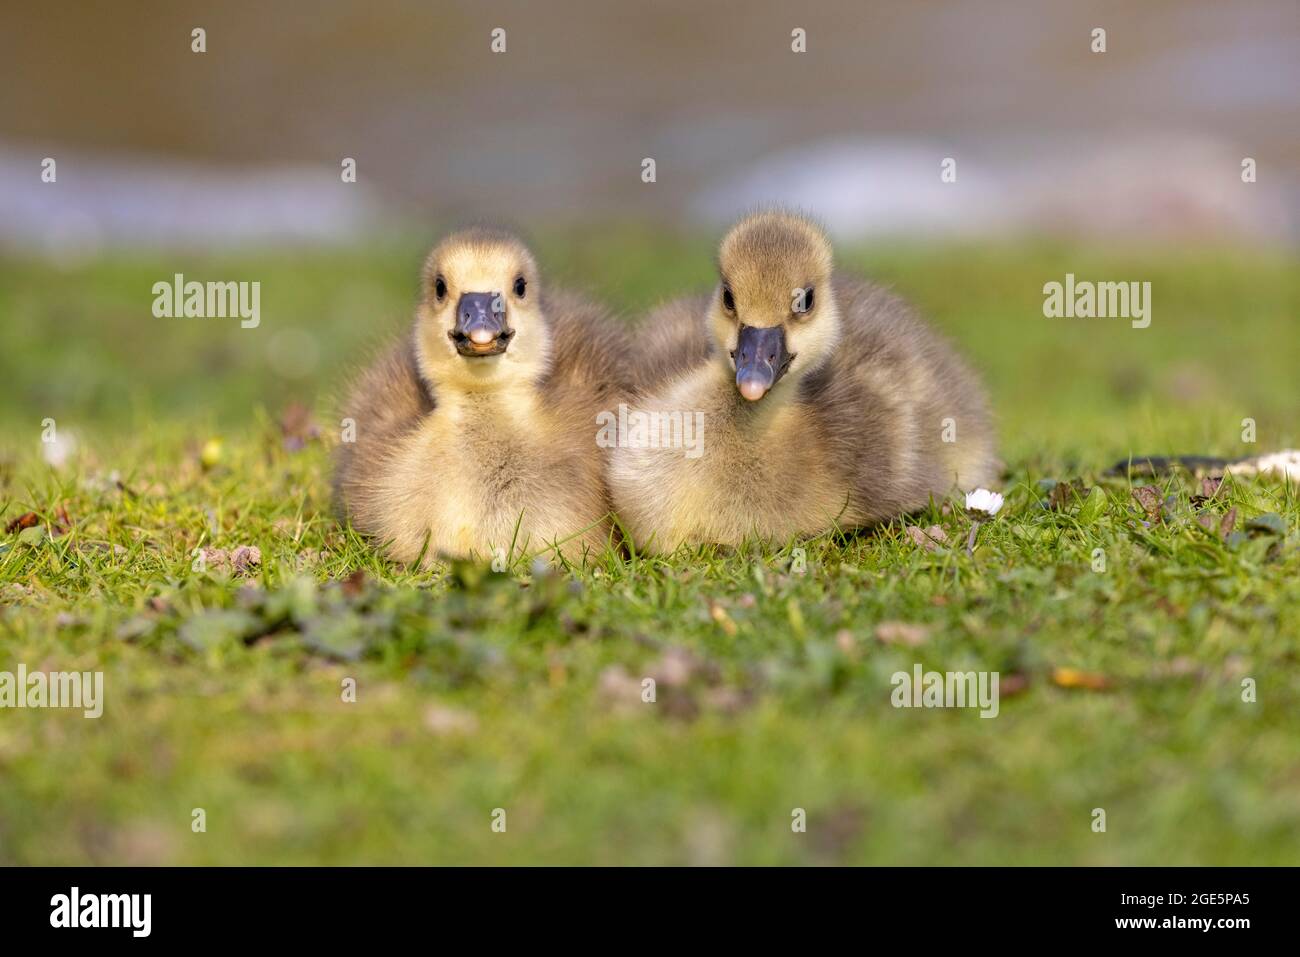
point(480, 330)
point(761, 359)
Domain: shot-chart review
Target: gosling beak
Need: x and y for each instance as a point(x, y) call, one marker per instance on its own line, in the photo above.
point(480, 330)
point(761, 359)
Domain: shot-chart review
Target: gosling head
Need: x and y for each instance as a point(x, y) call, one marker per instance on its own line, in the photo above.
point(774, 312)
point(480, 324)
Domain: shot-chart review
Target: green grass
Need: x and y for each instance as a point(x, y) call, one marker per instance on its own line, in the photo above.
point(521, 691)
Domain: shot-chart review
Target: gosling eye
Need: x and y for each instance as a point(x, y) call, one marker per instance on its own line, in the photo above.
point(728, 300)
point(440, 288)
point(803, 301)
point(520, 286)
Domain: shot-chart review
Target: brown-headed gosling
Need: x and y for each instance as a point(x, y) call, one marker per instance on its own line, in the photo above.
point(474, 435)
point(824, 401)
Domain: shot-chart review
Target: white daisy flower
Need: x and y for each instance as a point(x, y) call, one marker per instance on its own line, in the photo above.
point(982, 500)
point(59, 449)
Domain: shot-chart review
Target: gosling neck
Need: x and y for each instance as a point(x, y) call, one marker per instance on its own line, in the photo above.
point(511, 403)
point(754, 416)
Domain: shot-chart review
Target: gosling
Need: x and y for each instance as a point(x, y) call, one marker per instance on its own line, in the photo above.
point(475, 435)
point(826, 403)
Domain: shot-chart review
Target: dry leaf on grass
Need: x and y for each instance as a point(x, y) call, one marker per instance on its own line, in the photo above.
point(724, 621)
point(26, 520)
point(1075, 678)
point(685, 686)
point(1012, 683)
point(929, 538)
point(62, 524)
point(1149, 497)
point(354, 584)
point(1064, 494)
point(901, 633)
point(1218, 525)
point(243, 560)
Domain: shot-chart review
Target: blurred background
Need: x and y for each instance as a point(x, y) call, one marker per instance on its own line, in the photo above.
point(179, 433)
point(226, 165)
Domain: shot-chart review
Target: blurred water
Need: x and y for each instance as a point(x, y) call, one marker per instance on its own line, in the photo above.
point(243, 142)
point(109, 200)
point(1152, 187)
